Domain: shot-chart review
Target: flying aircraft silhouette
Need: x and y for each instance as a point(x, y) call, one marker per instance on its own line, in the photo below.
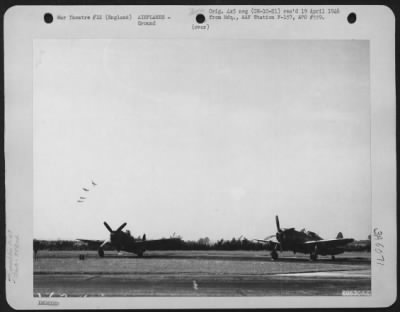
point(305, 242)
point(81, 197)
point(85, 189)
point(94, 184)
point(80, 201)
point(124, 241)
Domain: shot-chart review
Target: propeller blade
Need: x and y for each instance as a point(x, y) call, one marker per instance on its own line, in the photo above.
point(108, 227)
point(282, 235)
point(104, 243)
point(279, 238)
point(269, 237)
point(121, 227)
point(277, 224)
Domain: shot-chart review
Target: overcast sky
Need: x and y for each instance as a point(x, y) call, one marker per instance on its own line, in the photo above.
point(202, 138)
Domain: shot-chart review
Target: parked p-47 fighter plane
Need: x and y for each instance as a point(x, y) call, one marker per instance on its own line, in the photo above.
point(124, 241)
point(305, 242)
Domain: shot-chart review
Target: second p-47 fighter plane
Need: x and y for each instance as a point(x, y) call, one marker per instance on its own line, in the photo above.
point(305, 242)
point(124, 241)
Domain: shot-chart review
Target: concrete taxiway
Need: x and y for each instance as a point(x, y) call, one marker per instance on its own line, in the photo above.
point(199, 274)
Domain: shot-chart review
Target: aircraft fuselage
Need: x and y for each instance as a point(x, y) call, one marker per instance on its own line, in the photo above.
point(292, 240)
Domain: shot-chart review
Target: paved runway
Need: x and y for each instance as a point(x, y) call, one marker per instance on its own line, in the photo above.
point(200, 274)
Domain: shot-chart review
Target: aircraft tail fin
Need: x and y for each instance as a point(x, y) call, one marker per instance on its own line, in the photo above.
point(339, 236)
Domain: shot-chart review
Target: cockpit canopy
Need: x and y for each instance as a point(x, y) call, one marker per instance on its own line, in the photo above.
point(312, 235)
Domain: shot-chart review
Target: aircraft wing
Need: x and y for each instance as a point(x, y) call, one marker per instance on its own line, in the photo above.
point(159, 244)
point(262, 241)
point(329, 243)
point(91, 241)
point(268, 240)
point(270, 244)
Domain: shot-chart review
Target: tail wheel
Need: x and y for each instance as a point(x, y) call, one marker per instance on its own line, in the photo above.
point(274, 255)
point(101, 252)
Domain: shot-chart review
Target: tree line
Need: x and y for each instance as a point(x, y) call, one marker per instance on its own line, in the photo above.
point(200, 244)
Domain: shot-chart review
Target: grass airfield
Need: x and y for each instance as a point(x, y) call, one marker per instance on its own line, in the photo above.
point(198, 273)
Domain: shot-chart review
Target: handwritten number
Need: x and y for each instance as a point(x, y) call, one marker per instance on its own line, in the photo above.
point(379, 247)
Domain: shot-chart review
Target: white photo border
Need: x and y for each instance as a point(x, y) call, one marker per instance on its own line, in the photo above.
point(23, 24)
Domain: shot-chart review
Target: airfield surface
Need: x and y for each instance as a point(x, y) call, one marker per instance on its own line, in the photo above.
point(198, 273)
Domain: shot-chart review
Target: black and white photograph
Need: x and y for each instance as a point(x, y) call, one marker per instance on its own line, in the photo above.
point(214, 166)
point(201, 168)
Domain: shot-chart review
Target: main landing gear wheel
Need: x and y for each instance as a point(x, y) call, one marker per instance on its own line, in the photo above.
point(313, 256)
point(274, 255)
point(101, 252)
point(314, 253)
point(140, 254)
point(333, 257)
